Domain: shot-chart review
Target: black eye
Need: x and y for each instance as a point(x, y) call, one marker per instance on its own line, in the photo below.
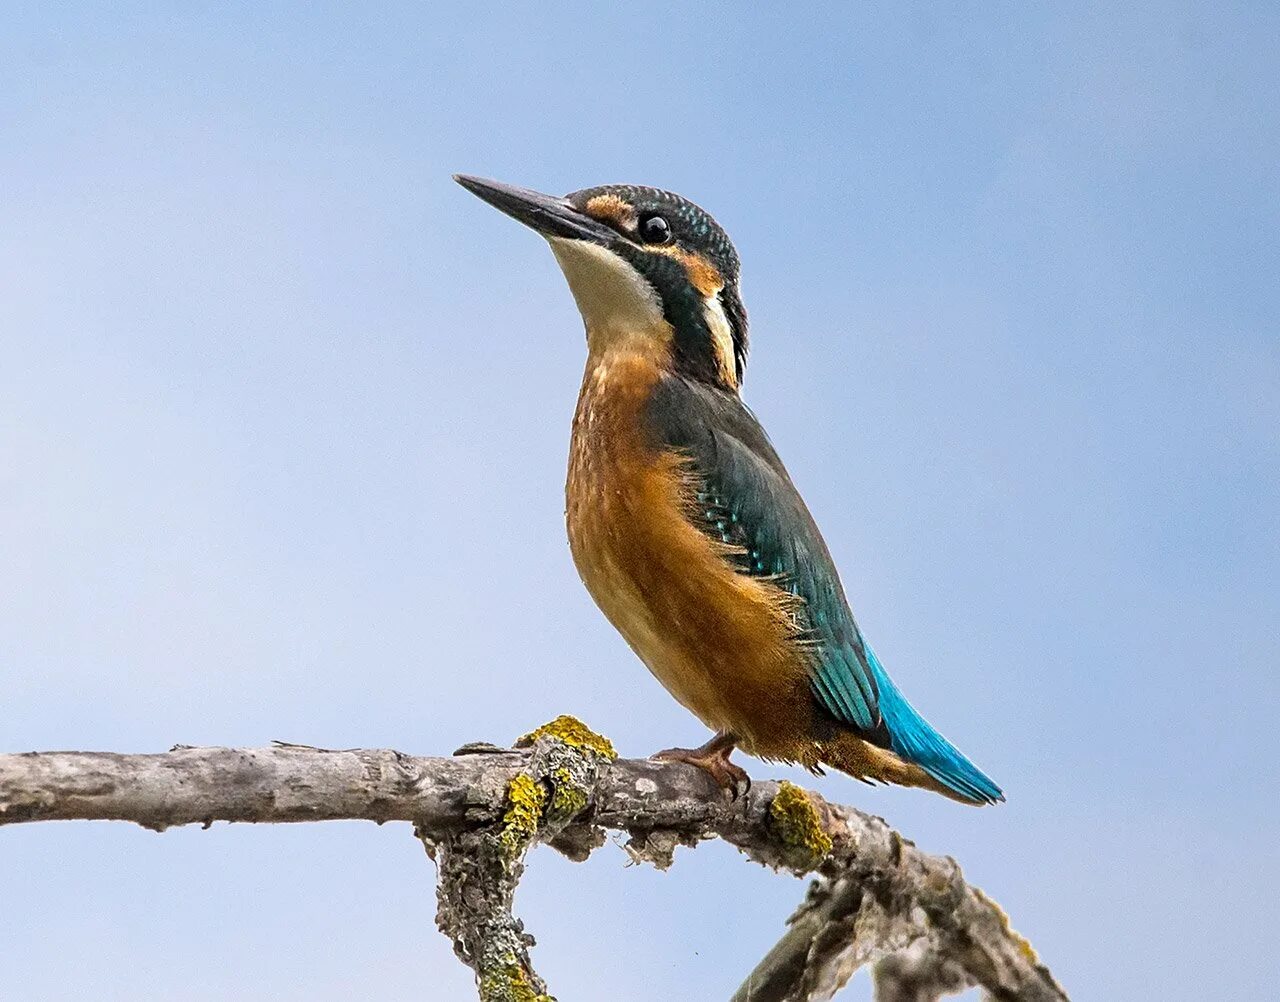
point(655, 230)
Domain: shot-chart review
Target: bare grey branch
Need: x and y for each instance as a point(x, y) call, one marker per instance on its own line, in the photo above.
point(876, 894)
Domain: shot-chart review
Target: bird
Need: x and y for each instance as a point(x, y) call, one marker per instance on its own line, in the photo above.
point(685, 526)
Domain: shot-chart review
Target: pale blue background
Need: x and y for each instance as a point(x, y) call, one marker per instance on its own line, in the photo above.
point(283, 422)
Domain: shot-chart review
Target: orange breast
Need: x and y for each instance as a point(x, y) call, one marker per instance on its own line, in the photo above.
point(719, 641)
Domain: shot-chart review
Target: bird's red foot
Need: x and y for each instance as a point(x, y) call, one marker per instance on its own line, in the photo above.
point(713, 758)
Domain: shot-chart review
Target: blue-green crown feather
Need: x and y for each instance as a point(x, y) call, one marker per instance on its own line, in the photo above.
point(747, 499)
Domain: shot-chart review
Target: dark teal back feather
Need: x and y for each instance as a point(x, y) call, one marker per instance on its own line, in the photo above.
point(747, 499)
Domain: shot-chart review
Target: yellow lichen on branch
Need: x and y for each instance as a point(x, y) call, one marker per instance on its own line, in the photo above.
point(575, 734)
point(567, 795)
point(526, 798)
point(797, 824)
point(510, 983)
point(557, 787)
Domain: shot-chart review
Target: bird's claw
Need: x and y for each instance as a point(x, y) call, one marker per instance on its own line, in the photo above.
point(727, 775)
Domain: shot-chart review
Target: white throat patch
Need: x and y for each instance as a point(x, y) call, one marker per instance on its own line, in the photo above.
point(722, 339)
point(615, 301)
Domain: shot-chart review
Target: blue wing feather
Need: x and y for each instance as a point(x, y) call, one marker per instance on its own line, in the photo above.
point(913, 738)
point(748, 499)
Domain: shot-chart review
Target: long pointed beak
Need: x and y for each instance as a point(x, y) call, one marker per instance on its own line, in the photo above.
point(547, 214)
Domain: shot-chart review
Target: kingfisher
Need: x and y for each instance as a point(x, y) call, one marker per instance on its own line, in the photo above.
point(683, 522)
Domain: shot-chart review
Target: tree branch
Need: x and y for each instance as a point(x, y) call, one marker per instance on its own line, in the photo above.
point(919, 974)
point(479, 811)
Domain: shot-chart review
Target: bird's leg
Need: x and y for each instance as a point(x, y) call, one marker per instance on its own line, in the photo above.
point(713, 758)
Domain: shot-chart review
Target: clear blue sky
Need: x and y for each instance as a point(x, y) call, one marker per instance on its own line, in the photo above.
point(283, 426)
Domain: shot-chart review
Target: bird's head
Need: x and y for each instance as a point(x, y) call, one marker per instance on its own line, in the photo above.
point(650, 271)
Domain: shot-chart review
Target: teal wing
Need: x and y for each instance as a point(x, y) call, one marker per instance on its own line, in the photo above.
point(747, 499)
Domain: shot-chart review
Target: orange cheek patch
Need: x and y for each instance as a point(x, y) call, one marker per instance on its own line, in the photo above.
point(611, 209)
point(703, 275)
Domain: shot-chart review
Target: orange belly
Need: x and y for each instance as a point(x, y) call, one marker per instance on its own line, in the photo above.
point(721, 643)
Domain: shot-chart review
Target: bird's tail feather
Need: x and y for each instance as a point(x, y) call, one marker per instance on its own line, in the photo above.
point(913, 739)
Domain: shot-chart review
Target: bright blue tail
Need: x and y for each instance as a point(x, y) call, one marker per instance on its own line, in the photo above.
point(912, 738)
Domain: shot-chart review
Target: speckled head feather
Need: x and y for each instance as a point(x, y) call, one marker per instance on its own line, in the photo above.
point(696, 266)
